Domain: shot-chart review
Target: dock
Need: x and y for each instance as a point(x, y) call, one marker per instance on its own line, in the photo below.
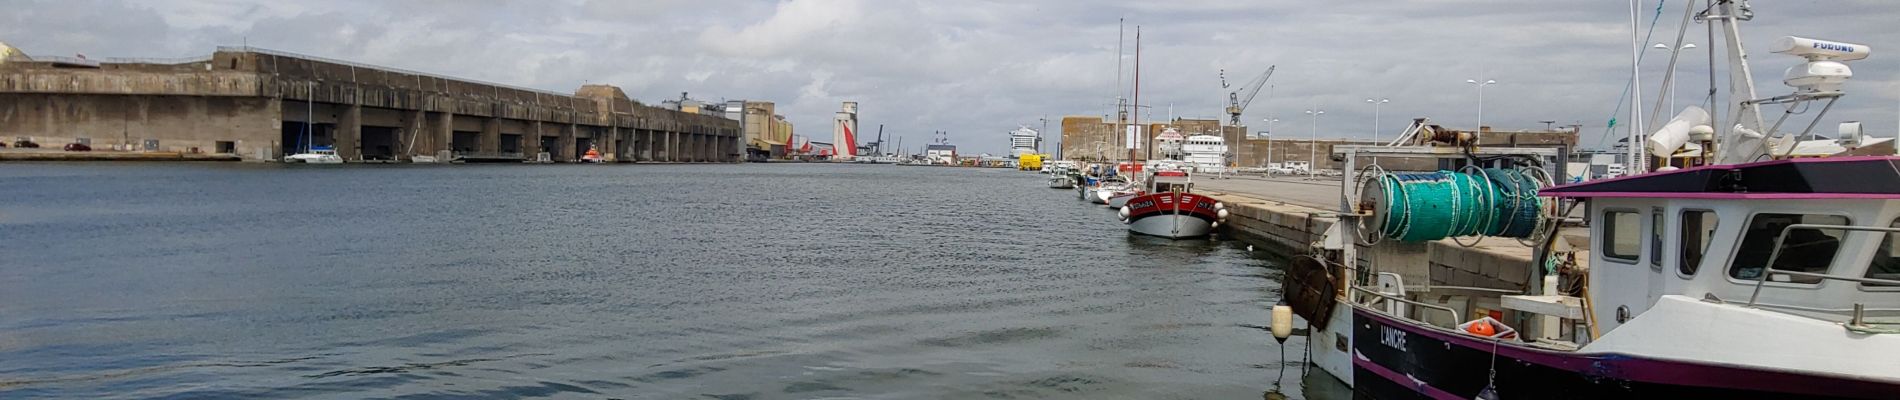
point(1289, 214)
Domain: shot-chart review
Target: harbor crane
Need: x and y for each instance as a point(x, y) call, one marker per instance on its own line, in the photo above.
point(1236, 103)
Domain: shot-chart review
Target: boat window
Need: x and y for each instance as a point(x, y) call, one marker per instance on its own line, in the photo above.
point(1804, 250)
point(1697, 227)
point(1886, 262)
point(1622, 238)
point(1655, 239)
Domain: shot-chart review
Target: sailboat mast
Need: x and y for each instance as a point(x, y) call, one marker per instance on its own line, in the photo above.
point(1134, 137)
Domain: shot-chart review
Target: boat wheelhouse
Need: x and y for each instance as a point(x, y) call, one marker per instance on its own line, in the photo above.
point(1777, 279)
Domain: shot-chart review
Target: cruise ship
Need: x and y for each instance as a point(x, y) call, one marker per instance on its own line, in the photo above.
point(1024, 140)
point(1207, 153)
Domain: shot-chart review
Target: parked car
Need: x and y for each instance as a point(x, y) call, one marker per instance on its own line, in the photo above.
point(78, 147)
point(25, 144)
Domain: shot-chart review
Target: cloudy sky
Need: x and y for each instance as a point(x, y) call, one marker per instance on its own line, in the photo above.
point(978, 68)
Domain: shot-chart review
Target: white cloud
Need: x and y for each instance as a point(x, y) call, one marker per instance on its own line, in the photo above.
point(977, 68)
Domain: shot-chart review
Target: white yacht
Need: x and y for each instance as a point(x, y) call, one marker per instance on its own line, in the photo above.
point(315, 155)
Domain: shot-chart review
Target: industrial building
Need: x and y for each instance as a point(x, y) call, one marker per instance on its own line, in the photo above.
point(1097, 138)
point(768, 135)
point(258, 104)
point(844, 132)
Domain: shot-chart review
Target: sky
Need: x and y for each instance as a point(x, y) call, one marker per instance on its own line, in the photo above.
point(979, 68)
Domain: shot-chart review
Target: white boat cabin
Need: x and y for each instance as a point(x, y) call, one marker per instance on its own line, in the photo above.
point(1710, 233)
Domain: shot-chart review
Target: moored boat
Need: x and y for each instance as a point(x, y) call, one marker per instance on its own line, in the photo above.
point(1738, 278)
point(316, 155)
point(1171, 210)
point(592, 156)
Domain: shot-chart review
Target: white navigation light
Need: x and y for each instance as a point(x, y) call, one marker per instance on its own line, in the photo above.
point(1666, 141)
point(1824, 72)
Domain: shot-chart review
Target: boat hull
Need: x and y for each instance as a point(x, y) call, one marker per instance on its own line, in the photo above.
point(1172, 215)
point(1061, 182)
point(314, 159)
point(1399, 360)
point(1121, 199)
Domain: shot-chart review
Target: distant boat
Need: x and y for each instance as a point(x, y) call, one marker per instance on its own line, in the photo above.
point(316, 155)
point(1207, 153)
point(592, 156)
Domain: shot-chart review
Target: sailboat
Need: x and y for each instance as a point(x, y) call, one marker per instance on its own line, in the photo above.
point(313, 154)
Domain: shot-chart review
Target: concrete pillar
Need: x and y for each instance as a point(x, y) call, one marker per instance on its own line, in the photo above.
point(570, 145)
point(532, 140)
point(349, 132)
point(673, 147)
point(444, 133)
point(647, 141)
point(491, 135)
point(613, 143)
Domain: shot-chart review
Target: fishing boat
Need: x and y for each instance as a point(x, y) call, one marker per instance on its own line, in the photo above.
point(315, 155)
point(1169, 208)
point(1740, 278)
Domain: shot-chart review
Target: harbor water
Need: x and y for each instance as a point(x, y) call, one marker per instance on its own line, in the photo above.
point(665, 281)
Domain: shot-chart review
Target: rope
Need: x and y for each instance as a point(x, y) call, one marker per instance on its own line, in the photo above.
point(1426, 206)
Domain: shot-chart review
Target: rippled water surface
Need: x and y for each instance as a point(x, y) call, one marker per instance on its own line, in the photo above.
point(632, 281)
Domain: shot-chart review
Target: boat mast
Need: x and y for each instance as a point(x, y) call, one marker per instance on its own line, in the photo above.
point(309, 113)
point(1121, 102)
point(1741, 86)
point(1637, 158)
point(1134, 137)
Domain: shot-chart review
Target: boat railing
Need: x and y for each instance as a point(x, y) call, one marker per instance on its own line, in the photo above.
point(1362, 289)
point(1768, 270)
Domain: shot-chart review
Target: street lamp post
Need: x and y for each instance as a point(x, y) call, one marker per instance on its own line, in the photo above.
point(1269, 136)
point(1672, 80)
point(1480, 85)
point(1312, 147)
point(1375, 117)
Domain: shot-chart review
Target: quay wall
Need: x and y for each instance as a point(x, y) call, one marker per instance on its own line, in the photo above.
point(255, 103)
point(1293, 230)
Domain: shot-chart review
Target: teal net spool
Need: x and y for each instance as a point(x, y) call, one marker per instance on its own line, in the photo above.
point(1425, 206)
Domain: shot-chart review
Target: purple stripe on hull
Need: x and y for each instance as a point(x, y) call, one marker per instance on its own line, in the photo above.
point(1402, 380)
point(1458, 364)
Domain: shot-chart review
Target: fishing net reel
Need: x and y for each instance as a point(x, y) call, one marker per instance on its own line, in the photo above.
point(1472, 202)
